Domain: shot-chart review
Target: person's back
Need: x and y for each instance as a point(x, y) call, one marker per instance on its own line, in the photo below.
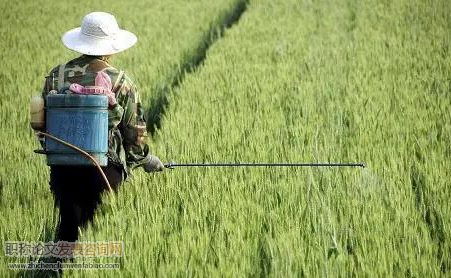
point(77, 189)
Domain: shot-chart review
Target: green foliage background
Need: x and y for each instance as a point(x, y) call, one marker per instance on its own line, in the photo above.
point(291, 81)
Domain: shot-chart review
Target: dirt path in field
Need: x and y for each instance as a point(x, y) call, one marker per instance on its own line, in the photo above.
point(190, 64)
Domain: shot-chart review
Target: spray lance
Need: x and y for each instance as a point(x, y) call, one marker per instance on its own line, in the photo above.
point(173, 165)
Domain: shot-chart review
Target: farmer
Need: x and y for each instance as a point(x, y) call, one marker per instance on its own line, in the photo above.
point(77, 189)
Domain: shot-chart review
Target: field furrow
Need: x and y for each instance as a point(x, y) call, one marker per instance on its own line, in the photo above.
point(159, 101)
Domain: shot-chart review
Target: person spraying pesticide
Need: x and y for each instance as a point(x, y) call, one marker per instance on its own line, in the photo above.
point(91, 125)
point(90, 118)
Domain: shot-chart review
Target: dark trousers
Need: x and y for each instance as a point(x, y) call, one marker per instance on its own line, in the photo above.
point(77, 191)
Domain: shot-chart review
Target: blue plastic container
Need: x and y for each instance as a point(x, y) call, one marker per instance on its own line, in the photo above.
point(81, 120)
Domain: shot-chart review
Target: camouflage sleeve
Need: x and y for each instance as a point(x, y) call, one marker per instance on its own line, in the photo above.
point(133, 125)
point(115, 116)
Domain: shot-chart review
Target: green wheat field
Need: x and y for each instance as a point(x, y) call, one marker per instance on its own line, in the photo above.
point(236, 81)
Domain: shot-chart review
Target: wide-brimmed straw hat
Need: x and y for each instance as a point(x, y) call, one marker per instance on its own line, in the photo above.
point(99, 35)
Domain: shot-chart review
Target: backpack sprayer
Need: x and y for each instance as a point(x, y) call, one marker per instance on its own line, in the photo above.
point(77, 126)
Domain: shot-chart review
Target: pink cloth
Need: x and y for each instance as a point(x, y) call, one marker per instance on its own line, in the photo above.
point(102, 86)
point(103, 80)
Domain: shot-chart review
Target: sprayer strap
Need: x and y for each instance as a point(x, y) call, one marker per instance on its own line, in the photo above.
point(118, 80)
point(61, 76)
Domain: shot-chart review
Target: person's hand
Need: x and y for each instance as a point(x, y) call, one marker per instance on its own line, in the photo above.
point(154, 165)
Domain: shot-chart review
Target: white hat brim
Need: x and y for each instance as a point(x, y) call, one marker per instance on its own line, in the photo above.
point(96, 46)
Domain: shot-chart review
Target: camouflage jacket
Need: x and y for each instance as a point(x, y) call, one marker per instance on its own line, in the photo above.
point(126, 122)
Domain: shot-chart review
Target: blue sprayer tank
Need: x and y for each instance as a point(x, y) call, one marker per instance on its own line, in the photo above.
point(81, 120)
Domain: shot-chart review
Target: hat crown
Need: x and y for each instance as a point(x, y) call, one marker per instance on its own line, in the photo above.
point(99, 24)
point(99, 34)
